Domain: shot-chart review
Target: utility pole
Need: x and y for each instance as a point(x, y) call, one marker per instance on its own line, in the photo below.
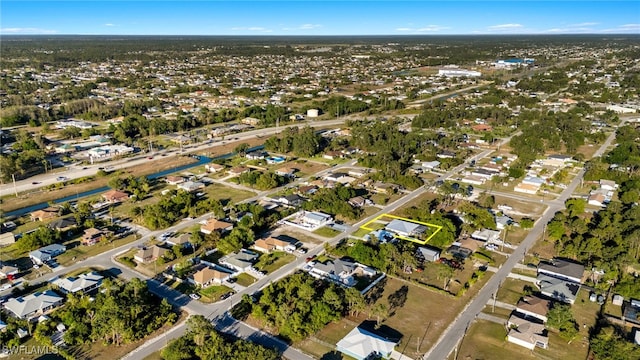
point(15, 189)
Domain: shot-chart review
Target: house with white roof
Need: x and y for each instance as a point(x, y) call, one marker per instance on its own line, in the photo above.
point(361, 344)
point(84, 283)
point(34, 305)
point(526, 333)
point(405, 228)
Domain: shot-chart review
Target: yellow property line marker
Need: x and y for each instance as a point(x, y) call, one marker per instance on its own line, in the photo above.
point(421, 242)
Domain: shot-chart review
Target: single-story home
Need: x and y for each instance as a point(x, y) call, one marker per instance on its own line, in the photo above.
point(562, 269)
point(256, 155)
point(487, 235)
point(270, 244)
point(34, 305)
point(149, 254)
point(46, 253)
point(208, 276)
point(191, 186)
point(405, 228)
point(430, 165)
point(241, 261)
point(84, 283)
point(183, 240)
point(532, 306)
point(316, 218)
point(526, 333)
point(174, 180)
point(361, 344)
point(216, 225)
point(558, 289)
point(336, 270)
point(92, 236)
point(239, 170)
point(115, 196)
point(291, 200)
point(526, 188)
point(211, 167)
point(45, 214)
point(63, 224)
point(424, 253)
point(286, 172)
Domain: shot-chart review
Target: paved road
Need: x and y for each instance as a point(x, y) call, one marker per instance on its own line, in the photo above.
point(452, 335)
point(78, 171)
point(217, 311)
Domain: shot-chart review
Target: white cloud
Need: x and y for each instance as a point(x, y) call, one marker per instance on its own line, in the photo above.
point(309, 26)
point(626, 28)
point(584, 24)
point(505, 27)
point(424, 29)
point(19, 31)
point(109, 24)
point(252, 28)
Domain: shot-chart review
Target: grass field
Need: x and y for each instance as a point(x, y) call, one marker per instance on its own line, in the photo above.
point(212, 294)
point(81, 251)
point(245, 279)
point(326, 232)
point(269, 263)
point(511, 290)
point(421, 319)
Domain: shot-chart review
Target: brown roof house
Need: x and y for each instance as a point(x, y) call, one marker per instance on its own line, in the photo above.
point(270, 244)
point(208, 276)
point(115, 196)
point(92, 236)
point(533, 307)
point(45, 214)
point(149, 254)
point(216, 225)
point(174, 180)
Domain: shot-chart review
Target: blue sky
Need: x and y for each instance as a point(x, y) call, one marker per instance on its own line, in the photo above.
point(318, 17)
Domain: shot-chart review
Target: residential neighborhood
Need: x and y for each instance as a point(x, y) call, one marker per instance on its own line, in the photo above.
point(311, 201)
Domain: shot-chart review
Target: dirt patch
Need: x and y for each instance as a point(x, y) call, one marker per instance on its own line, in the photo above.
point(229, 146)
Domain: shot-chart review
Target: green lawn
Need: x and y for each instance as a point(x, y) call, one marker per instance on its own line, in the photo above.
point(327, 232)
point(245, 279)
point(511, 290)
point(212, 293)
point(221, 192)
point(273, 261)
point(360, 233)
point(82, 252)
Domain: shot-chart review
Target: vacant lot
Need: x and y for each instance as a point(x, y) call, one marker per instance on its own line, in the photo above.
point(421, 319)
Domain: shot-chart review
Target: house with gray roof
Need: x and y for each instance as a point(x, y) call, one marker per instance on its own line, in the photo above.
point(405, 228)
point(558, 289)
point(47, 253)
point(34, 305)
point(562, 269)
point(336, 270)
point(84, 283)
point(361, 344)
point(241, 261)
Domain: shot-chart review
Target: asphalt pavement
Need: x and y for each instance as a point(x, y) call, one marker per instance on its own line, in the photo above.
point(451, 337)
